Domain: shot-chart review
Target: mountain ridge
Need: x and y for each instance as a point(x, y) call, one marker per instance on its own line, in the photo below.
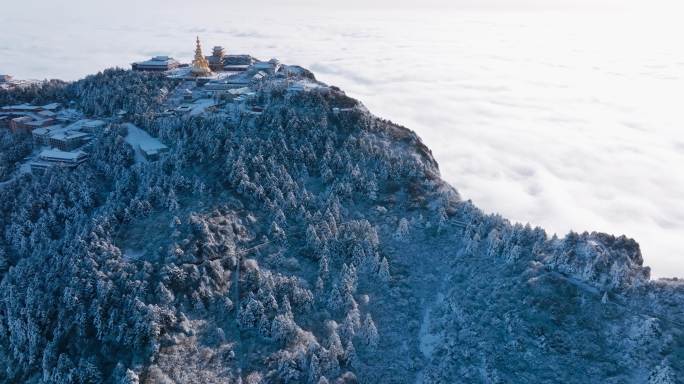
point(368, 267)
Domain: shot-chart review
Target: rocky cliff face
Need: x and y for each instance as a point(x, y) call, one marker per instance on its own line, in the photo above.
point(310, 242)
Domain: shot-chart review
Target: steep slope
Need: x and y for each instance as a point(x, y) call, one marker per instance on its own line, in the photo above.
point(308, 243)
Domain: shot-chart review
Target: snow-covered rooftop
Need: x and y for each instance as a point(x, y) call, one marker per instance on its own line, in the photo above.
point(47, 130)
point(161, 61)
point(142, 141)
point(56, 155)
point(21, 107)
point(63, 135)
point(86, 123)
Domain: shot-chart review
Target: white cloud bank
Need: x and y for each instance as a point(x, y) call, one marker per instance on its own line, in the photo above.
point(565, 120)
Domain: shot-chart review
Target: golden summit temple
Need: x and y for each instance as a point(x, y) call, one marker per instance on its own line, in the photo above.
point(200, 65)
point(205, 66)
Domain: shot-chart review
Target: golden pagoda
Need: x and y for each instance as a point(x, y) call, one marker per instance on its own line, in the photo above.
point(200, 65)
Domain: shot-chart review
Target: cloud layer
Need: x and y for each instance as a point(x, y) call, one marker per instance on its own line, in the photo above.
point(568, 121)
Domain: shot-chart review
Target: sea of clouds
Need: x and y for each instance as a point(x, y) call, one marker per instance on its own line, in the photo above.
point(564, 119)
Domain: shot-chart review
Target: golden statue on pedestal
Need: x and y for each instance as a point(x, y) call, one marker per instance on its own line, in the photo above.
point(200, 65)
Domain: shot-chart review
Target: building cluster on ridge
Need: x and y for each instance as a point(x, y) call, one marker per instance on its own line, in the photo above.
point(60, 133)
point(8, 82)
point(202, 66)
point(218, 83)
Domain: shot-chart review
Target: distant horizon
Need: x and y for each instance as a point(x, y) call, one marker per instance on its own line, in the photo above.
point(388, 5)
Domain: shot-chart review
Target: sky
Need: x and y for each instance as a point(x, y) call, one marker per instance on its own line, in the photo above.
point(562, 114)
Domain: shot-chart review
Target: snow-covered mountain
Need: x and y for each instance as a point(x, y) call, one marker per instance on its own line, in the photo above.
point(290, 236)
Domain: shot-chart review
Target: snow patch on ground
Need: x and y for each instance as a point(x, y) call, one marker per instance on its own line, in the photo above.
point(25, 166)
point(201, 105)
point(131, 254)
point(427, 341)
